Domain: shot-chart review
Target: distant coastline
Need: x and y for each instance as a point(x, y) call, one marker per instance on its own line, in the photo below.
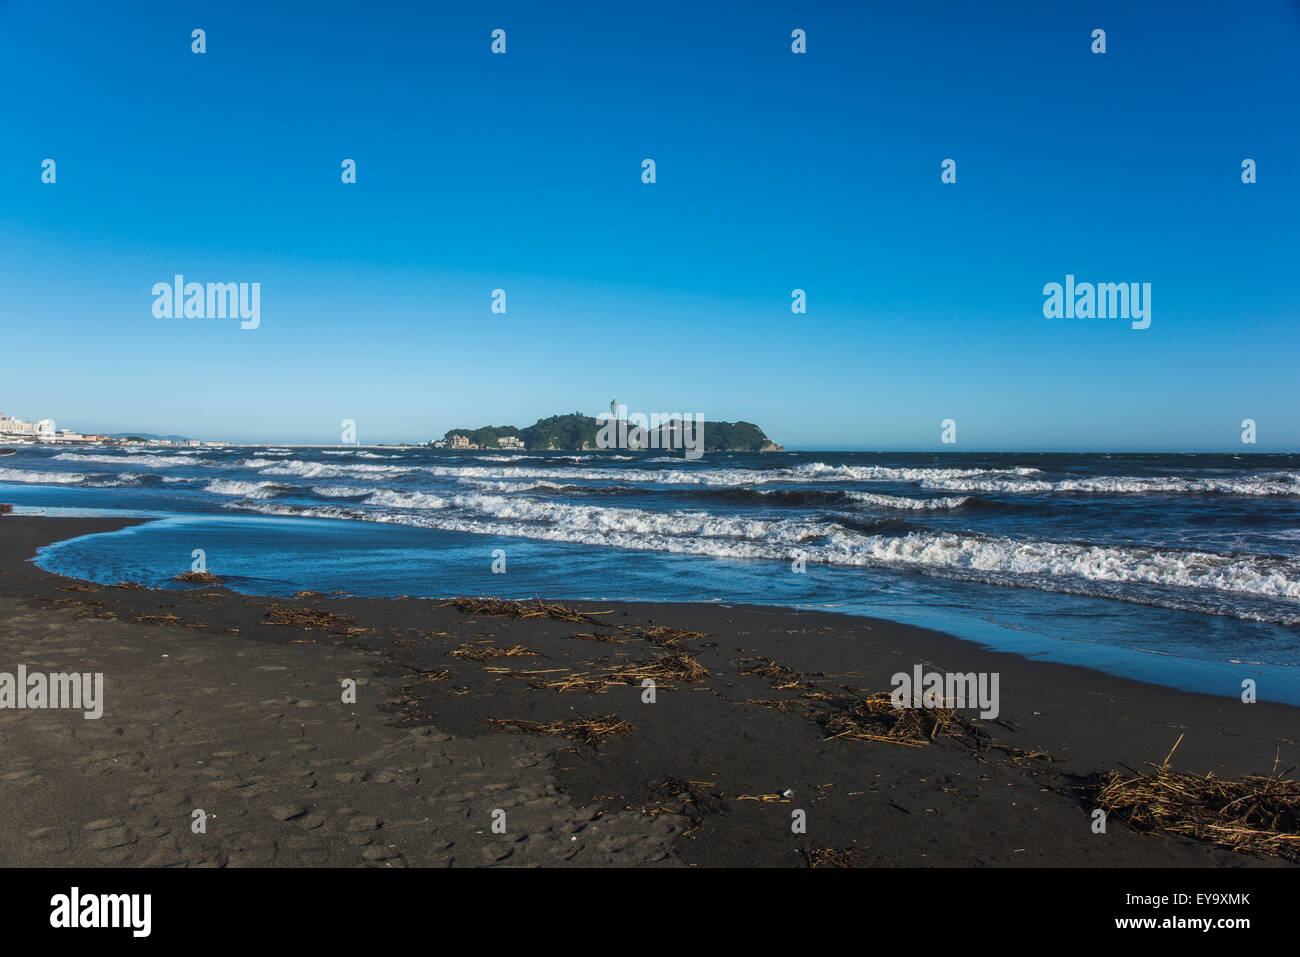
point(558, 433)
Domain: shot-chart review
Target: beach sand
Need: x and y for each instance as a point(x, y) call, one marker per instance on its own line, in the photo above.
point(211, 706)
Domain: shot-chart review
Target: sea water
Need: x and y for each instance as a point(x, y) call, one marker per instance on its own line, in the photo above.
point(1178, 569)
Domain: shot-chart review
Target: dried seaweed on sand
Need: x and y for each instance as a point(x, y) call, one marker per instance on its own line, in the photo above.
point(694, 801)
point(470, 652)
point(160, 619)
point(1257, 813)
point(309, 618)
point(598, 636)
point(664, 670)
point(199, 578)
point(587, 730)
point(876, 718)
point(848, 713)
point(536, 608)
point(779, 676)
point(673, 639)
point(831, 857)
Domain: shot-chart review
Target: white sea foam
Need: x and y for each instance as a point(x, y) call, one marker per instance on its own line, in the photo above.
point(341, 491)
point(154, 459)
point(723, 478)
point(243, 489)
point(312, 470)
point(514, 487)
point(29, 477)
point(867, 498)
point(710, 477)
point(114, 481)
point(995, 559)
point(881, 473)
point(1280, 483)
point(912, 504)
point(420, 500)
point(41, 478)
point(1010, 480)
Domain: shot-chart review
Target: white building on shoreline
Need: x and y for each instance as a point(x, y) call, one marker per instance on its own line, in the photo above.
point(44, 430)
point(12, 426)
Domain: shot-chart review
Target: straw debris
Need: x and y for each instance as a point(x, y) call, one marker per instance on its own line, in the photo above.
point(779, 676)
point(537, 608)
point(1254, 813)
point(831, 857)
point(200, 578)
point(694, 801)
point(587, 730)
point(664, 670)
point(791, 706)
point(161, 619)
point(848, 713)
point(310, 618)
point(876, 718)
point(674, 639)
point(434, 675)
point(488, 652)
point(598, 636)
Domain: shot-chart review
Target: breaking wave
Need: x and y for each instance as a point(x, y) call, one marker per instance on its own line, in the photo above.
point(1049, 565)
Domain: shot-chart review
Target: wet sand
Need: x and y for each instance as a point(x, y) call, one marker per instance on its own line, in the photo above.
point(211, 705)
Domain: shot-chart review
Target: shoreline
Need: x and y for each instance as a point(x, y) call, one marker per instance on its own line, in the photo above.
point(427, 671)
point(1217, 677)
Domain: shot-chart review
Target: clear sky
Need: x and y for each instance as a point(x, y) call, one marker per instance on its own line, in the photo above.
point(775, 171)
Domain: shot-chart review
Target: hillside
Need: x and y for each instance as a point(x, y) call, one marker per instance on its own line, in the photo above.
point(576, 431)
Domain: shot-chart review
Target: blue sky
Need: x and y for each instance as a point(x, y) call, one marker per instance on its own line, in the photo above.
point(775, 171)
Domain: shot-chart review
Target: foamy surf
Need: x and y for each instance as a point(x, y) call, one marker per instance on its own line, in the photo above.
point(994, 560)
point(1213, 534)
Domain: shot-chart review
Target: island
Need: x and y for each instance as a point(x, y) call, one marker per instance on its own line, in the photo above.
point(575, 431)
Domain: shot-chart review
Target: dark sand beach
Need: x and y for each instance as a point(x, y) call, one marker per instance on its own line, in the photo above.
point(232, 704)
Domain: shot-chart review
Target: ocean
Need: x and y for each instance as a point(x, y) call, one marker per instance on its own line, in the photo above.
point(1178, 569)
